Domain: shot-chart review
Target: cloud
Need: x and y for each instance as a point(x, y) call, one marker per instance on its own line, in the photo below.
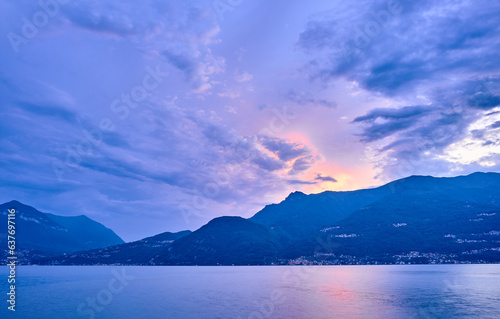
point(243, 77)
point(306, 98)
point(486, 101)
point(495, 125)
point(54, 111)
point(300, 182)
point(180, 32)
point(449, 62)
point(197, 73)
point(423, 91)
point(395, 120)
point(38, 99)
point(285, 150)
point(325, 178)
point(102, 21)
point(183, 63)
point(318, 35)
point(390, 114)
point(302, 164)
point(146, 20)
point(487, 143)
point(419, 58)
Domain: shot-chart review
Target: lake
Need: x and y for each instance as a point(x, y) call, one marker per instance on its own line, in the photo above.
point(390, 291)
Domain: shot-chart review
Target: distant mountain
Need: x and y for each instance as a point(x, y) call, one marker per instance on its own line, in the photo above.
point(431, 219)
point(142, 252)
point(224, 241)
point(299, 216)
point(419, 219)
point(40, 234)
point(87, 231)
point(360, 223)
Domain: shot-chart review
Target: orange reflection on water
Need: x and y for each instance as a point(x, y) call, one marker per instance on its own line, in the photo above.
point(341, 294)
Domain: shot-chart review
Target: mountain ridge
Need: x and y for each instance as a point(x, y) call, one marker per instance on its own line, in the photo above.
point(417, 219)
point(45, 234)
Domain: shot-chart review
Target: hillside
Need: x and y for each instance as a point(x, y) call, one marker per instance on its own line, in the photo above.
point(419, 219)
point(39, 234)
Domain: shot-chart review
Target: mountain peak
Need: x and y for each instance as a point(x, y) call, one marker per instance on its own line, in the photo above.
point(226, 219)
point(14, 203)
point(296, 194)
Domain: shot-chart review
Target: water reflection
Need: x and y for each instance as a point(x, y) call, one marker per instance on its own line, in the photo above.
point(403, 291)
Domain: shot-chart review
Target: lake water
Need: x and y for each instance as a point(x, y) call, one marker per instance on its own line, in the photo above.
point(397, 291)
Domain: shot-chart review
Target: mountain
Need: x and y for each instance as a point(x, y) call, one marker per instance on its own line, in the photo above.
point(224, 241)
point(141, 252)
point(431, 219)
point(40, 234)
point(87, 231)
point(299, 216)
point(419, 219)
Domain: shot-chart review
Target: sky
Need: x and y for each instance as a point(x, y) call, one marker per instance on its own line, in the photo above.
point(152, 116)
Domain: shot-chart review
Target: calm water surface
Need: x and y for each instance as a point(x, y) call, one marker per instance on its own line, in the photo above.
point(402, 291)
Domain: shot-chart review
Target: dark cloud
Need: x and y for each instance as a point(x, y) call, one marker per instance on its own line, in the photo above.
point(492, 113)
point(301, 164)
point(117, 140)
point(420, 56)
point(58, 112)
point(325, 178)
point(395, 120)
point(267, 163)
point(183, 63)
point(487, 143)
point(149, 18)
point(414, 150)
point(285, 150)
point(300, 182)
point(478, 133)
point(486, 101)
point(388, 113)
point(441, 132)
point(376, 132)
point(104, 22)
point(306, 98)
point(446, 51)
point(416, 135)
point(239, 149)
point(495, 125)
point(318, 35)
